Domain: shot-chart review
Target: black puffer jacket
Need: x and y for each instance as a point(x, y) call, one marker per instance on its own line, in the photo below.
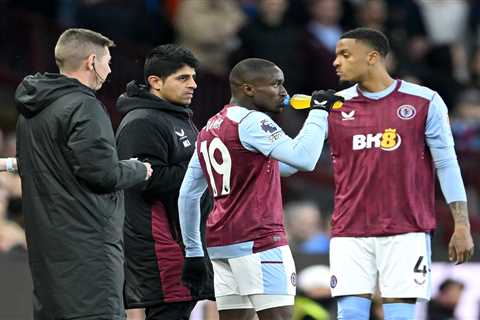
point(74, 211)
point(164, 134)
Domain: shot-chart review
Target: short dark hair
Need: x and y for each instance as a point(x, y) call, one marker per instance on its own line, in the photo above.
point(76, 44)
point(374, 38)
point(164, 60)
point(249, 69)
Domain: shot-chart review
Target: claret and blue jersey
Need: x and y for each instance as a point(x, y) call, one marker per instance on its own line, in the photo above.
point(248, 213)
point(382, 146)
point(236, 156)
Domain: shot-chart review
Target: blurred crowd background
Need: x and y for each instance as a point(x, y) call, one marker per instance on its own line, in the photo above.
point(435, 43)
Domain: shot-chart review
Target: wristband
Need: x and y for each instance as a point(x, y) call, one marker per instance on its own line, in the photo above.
point(9, 165)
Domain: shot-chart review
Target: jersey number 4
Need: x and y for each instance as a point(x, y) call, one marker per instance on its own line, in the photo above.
point(224, 168)
point(420, 267)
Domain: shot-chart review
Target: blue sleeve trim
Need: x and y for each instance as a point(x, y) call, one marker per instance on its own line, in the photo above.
point(231, 250)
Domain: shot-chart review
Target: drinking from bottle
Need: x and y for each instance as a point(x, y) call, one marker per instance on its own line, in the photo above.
point(302, 101)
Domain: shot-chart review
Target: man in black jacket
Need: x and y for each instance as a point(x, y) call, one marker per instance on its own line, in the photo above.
point(157, 127)
point(71, 184)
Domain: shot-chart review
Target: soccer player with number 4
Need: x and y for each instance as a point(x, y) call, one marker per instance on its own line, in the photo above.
point(387, 139)
point(240, 155)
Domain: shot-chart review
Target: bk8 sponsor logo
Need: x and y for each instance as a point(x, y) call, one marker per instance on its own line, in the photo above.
point(389, 140)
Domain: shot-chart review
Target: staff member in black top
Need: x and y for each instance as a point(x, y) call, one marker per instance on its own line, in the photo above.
point(158, 126)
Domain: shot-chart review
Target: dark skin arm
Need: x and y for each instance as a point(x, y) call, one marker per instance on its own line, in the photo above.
point(460, 248)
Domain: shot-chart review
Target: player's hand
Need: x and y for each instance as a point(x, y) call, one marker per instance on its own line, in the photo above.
point(460, 248)
point(325, 99)
point(194, 272)
point(149, 170)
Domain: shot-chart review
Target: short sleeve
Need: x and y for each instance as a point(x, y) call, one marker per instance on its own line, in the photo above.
point(258, 132)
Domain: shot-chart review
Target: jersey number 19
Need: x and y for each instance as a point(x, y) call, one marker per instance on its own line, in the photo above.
point(224, 168)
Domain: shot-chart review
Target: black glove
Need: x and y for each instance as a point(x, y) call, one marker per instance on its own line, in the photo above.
point(324, 100)
point(194, 272)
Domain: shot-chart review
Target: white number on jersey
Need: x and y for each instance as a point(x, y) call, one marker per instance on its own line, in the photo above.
point(224, 169)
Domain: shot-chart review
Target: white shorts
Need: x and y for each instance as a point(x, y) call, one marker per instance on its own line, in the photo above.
point(261, 280)
point(400, 264)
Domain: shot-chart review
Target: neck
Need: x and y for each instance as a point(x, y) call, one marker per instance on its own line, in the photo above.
point(156, 93)
point(376, 81)
point(82, 77)
point(242, 103)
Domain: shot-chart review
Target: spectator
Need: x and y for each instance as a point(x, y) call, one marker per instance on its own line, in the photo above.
point(466, 122)
point(406, 31)
point(318, 45)
point(374, 14)
point(271, 35)
point(209, 28)
point(305, 228)
point(139, 22)
point(118, 18)
point(443, 305)
point(447, 58)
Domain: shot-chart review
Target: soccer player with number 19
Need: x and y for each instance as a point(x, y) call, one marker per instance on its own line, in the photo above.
point(386, 140)
point(240, 154)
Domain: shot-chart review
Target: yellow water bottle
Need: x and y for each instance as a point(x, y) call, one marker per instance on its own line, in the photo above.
point(302, 101)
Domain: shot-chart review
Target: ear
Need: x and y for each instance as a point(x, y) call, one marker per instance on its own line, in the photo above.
point(155, 82)
point(90, 61)
point(248, 90)
point(373, 57)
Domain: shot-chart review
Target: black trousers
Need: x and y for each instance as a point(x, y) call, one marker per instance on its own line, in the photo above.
point(170, 311)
